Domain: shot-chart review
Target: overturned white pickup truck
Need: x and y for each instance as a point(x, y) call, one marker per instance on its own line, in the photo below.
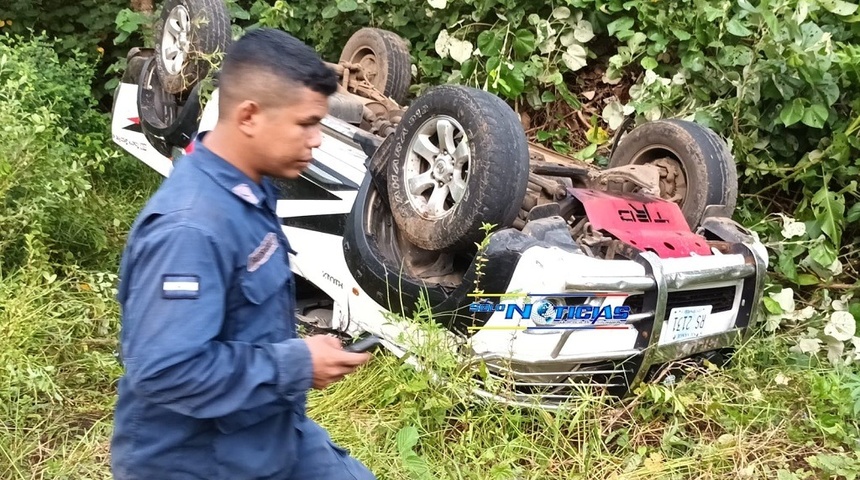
point(595, 276)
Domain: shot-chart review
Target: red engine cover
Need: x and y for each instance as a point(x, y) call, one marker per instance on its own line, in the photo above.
point(645, 223)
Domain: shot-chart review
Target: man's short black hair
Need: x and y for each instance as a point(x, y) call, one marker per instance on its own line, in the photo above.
point(264, 55)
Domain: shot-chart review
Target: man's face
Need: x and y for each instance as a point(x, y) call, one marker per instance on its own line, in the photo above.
point(286, 134)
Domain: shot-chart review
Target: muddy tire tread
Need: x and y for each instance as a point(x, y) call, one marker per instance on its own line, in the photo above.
point(498, 174)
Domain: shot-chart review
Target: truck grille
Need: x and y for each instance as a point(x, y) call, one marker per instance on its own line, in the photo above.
point(721, 298)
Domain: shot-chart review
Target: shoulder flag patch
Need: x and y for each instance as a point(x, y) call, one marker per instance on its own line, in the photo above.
point(180, 286)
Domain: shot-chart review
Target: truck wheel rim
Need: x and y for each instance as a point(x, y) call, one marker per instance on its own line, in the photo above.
point(175, 44)
point(366, 59)
point(436, 173)
point(673, 176)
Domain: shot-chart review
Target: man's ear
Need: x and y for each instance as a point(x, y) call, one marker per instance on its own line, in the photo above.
point(248, 116)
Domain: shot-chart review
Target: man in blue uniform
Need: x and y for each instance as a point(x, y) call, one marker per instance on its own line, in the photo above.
point(215, 377)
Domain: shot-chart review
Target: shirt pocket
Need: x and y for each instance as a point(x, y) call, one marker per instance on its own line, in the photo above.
point(262, 312)
point(259, 286)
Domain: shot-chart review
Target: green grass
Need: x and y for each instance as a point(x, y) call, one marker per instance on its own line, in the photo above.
point(740, 422)
point(769, 415)
point(58, 330)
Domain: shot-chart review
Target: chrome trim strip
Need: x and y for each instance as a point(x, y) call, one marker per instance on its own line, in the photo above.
point(612, 284)
point(674, 280)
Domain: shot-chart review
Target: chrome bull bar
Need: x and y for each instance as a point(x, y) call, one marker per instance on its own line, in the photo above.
point(754, 266)
point(658, 282)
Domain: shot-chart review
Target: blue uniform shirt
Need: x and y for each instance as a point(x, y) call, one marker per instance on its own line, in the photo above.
point(215, 377)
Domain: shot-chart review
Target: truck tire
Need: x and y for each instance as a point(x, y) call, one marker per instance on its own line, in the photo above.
point(705, 179)
point(384, 57)
point(460, 159)
point(188, 35)
point(165, 123)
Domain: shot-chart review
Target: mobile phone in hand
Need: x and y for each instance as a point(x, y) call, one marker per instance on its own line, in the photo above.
point(368, 344)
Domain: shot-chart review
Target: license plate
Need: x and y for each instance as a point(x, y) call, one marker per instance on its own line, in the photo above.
point(685, 323)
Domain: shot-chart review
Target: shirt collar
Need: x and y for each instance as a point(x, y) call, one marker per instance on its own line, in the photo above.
point(231, 178)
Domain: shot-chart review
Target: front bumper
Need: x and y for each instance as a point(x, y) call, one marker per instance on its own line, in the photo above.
point(548, 368)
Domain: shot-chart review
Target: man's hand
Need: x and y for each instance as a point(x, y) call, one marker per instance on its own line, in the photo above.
point(330, 361)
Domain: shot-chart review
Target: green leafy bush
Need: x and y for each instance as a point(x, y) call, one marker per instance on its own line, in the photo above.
point(84, 28)
point(54, 140)
point(518, 43)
